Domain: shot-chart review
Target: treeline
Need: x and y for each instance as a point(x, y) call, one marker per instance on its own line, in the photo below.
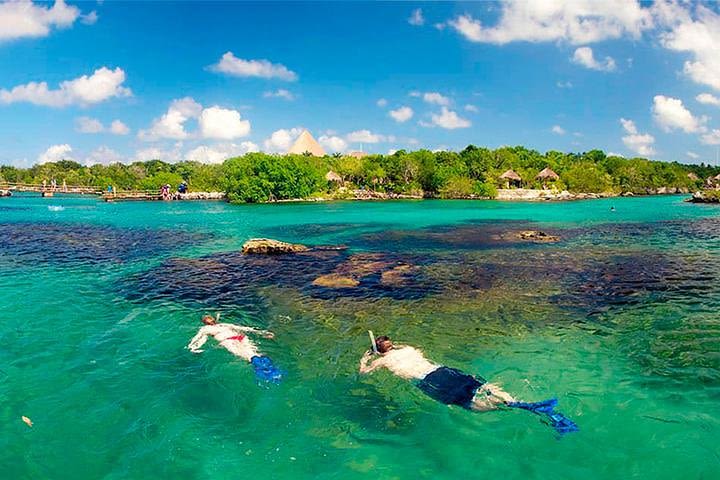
point(474, 171)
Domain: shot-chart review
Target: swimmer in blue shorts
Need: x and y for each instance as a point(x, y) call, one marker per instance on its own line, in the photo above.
point(453, 387)
point(234, 338)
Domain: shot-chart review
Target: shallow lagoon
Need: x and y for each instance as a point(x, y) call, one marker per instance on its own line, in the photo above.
point(618, 319)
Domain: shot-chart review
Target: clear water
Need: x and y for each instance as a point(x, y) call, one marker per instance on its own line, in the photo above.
point(619, 320)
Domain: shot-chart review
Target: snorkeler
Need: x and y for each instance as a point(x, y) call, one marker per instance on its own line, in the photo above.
point(453, 387)
point(234, 339)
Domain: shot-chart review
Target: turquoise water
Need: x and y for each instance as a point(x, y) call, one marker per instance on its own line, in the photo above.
point(618, 320)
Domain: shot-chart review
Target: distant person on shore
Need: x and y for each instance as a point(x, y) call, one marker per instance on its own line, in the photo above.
point(453, 387)
point(234, 339)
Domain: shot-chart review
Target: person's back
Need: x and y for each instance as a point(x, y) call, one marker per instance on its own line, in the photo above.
point(453, 387)
point(234, 339)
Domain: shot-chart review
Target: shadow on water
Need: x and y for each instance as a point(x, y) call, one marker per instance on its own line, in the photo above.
point(31, 243)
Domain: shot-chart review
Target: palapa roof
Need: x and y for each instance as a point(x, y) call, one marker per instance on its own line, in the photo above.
point(333, 177)
point(357, 154)
point(511, 175)
point(306, 143)
point(547, 173)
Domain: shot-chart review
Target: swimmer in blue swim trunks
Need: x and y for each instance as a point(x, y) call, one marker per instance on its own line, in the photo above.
point(451, 386)
point(235, 340)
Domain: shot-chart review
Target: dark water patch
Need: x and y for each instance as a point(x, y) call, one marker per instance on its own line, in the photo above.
point(38, 243)
point(319, 230)
point(234, 279)
point(480, 235)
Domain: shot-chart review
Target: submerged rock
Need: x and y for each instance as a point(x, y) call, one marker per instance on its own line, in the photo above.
point(334, 280)
point(537, 236)
point(268, 246)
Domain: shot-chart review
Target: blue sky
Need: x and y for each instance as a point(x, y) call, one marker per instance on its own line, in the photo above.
point(118, 81)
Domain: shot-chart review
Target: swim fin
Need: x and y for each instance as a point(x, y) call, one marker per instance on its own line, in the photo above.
point(546, 408)
point(265, 370)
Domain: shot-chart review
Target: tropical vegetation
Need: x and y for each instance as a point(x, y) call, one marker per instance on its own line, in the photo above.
point(472, 172)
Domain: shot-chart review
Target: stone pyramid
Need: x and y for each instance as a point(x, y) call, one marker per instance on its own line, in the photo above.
point(306, 143)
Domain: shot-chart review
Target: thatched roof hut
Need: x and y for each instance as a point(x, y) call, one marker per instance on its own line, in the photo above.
point(333, 177)
point(357, 154)
point(547, 174)
point(511, 175)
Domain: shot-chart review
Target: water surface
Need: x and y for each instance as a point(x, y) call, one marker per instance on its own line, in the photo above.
point(618, 320)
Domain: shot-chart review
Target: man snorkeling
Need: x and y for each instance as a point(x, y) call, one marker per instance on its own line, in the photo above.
point(234, 339)
point(453, 387)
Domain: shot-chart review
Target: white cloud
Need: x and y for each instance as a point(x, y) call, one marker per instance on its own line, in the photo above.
point(103, 155)
point(635, 141)
point(172, 123)
point(692, 155)
point(155, 153)
point(415, 93)
point(222, 124)
point(221, 152)
point(333, 143)
point(402, 114)
point(89, 19)
point(55, 153)
point(382, 103)
point(708, 99)
point(670, 114)
point(119, 128)
point(573, 21)
point(239, 67)
point(93, 125)
point(584, 56)
point(567, 84)
point(88, 125)
point(23, 18)
point(698, 36)
point(365, 136)
point(435, 98)
point(102, 85)
point(711, 138)
point(447, 119)
point(416, 18)
point(471, 108)
point(281, 140)
point(280, 93)
point(557, 129)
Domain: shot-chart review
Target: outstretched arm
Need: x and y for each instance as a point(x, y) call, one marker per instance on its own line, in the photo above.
point(198, 341)
point(264, 333)
point(365, 368)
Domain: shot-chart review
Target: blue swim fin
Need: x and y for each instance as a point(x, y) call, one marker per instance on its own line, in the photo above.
point(265, 370)
point(546, 408)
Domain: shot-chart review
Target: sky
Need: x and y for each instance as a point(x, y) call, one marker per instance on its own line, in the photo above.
point(107, 81)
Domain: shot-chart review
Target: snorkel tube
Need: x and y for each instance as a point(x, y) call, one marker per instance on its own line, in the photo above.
point(372, 342)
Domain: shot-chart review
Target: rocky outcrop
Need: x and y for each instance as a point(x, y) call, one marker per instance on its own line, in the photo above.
point(5, 193)
point(707, 196)
point(201, 196)
point(268, 246)
point(537, 236)
point(529, 194)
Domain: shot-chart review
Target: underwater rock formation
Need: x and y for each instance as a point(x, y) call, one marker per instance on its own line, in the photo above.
point(268, 246)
